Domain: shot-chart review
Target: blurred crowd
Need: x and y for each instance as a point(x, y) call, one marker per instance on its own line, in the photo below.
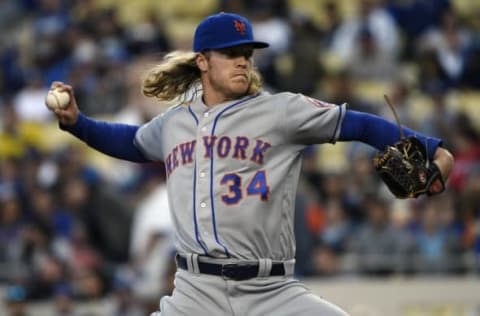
point(76, 226)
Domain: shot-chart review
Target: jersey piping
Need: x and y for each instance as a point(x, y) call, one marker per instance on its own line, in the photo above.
point(211, 171)
point(195, 224)
point(332, 140)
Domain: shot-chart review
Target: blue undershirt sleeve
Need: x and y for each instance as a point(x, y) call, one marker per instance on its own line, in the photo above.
point(379, 133)
point(113, 139)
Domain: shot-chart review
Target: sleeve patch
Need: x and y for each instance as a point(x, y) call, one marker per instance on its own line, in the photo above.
point(319, 103)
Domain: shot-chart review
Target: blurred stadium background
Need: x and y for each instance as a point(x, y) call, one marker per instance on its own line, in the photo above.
point(82, 234)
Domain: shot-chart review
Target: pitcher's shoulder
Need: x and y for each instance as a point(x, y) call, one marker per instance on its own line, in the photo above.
point(175, 107)
point(166, 114)
point(266, 97)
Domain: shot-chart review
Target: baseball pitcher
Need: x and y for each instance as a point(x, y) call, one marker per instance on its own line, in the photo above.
point(233, 157)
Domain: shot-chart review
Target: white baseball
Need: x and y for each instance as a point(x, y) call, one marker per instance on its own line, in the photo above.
point(57, 99)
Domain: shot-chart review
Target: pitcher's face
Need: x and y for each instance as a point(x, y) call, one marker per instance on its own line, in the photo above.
point(227, 71)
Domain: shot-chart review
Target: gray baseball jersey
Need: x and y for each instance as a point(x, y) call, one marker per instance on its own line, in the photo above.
point(233, 170)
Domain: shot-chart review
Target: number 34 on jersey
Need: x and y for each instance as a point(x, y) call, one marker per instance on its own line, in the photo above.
point(236, 191)
point(241, 148)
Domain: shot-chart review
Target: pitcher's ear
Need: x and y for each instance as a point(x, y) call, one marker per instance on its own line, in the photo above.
point(202, 62)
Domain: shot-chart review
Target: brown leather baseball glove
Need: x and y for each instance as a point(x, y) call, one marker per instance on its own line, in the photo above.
point(407, 171)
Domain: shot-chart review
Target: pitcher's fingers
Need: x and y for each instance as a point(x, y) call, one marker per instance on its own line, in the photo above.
point(68, 88)
point(56, 84)
point(61, 112)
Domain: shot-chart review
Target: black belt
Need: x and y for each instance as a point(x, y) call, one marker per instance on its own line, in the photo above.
point(234, 271)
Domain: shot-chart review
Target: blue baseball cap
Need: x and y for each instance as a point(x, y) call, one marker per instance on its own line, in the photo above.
point(224, 30)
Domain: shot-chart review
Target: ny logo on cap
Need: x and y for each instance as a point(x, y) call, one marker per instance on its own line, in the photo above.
point(239, 26)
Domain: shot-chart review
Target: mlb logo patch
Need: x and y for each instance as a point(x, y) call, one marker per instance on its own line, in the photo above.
point(319, 103)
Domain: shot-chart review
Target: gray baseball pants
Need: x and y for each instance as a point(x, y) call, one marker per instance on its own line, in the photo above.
point(207, 295)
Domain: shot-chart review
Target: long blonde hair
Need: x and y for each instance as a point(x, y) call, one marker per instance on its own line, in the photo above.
point(177, 74)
